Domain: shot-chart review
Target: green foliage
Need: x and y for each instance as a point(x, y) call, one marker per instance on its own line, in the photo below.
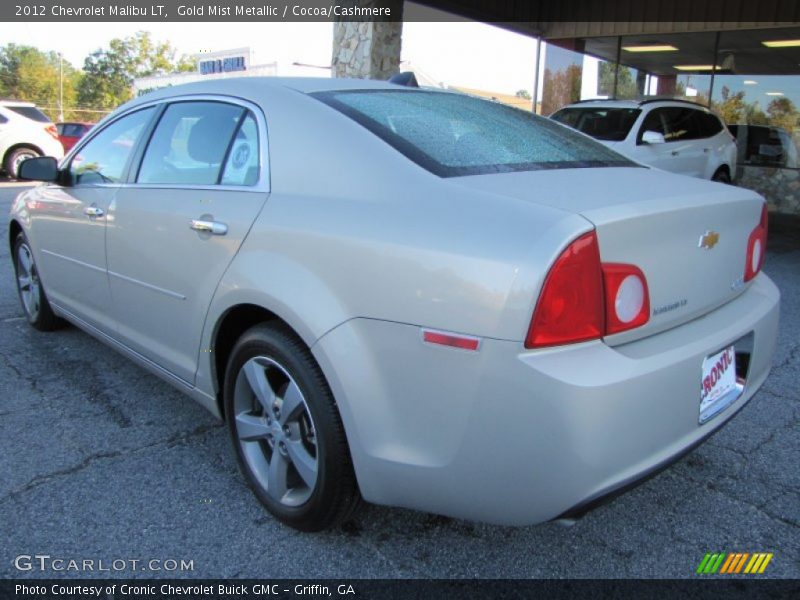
point(109, 73)
point(29, 74)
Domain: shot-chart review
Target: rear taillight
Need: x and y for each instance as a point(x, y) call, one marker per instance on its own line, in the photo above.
point(51, 129)
point(627, 297)
point(583, 299)
point(756, 247)
point(570, 307)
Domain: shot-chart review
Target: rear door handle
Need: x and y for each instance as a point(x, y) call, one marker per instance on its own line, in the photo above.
point(213, 227)
point(675, 153)
point(706, 149)
point(93, 211)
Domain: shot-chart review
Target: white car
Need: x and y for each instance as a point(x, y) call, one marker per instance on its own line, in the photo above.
point(674, 135)
point(25, 132)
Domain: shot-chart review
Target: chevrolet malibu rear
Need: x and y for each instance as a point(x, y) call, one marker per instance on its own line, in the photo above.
point(454, 306)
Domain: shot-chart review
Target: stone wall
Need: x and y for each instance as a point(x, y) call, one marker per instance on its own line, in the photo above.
point(781, 187)
point(368, 50)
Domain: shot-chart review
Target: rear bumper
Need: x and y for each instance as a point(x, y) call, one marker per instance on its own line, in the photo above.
point(510, 436)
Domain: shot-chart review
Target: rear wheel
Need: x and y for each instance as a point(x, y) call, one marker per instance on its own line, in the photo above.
point(286, 430)
point(30, 289)
point(721, 175)
point(15, 158)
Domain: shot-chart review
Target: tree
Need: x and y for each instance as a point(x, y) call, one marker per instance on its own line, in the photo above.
point(783, 113)
point(626, 86)
point(732, 108)
point(29, 74)
point(109, 73)
point(525, 94)
point(561, 88)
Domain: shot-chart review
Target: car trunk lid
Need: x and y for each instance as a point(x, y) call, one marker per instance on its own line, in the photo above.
point(688, 236)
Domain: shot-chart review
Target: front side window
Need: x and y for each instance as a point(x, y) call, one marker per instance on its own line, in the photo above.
point(682, 124)
point(607, 124)
point(191, 142)
point(452, 134)
point(103, 158)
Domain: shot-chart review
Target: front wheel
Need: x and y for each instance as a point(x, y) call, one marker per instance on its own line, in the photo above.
point(287, 432)
point(30, 289)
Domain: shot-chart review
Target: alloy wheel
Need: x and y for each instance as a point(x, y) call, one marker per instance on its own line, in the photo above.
point(28, 282)
point(275, 431)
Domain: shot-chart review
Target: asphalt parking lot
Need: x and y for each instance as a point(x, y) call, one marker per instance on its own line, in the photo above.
point(103, 461)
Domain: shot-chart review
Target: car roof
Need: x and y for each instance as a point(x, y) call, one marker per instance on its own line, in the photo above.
point(16, 103)
point(257, 89)
point(604, 103)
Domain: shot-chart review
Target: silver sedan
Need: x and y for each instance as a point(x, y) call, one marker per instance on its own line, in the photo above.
point(414, 297)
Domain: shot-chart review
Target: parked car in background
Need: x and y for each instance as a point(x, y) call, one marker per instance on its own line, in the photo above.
point(419, 297)
point(25, 132)
point(674, 135)
point(70, 133)
point(765, 146)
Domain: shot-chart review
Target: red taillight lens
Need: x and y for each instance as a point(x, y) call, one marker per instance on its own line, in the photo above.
point(583, 299)
point(570, 307)
point(627, 297)
point(51, 129)
point(756, 247)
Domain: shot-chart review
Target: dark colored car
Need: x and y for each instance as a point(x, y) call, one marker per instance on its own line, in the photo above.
point(765, 146)
point(70, 133)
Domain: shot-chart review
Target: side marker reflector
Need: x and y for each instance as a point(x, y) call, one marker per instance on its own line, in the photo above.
point(454, 340)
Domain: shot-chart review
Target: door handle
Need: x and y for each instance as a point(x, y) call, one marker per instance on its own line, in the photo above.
point(675, 153)
point(93, 211)
point(706, 150)
point(213, 227)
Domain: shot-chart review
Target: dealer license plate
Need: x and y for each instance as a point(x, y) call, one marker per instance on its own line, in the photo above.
point(718, 387)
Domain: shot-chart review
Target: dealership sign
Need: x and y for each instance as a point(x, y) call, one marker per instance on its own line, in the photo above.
point(223, 65)
point(226, 61)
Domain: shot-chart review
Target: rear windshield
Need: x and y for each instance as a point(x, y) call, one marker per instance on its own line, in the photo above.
point(31, 112)
point(72, 129)
point(452, 134)
point(608, 124)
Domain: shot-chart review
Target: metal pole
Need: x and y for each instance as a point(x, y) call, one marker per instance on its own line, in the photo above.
point(536, 75)
point(713, 69)
point(60, 87)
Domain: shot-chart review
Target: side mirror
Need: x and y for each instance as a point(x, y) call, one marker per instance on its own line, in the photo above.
point(653, 137)
point(40, 168)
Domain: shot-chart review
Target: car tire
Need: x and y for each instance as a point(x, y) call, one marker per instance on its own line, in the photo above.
point(15, 158)
point(721, 175)
point(30, 288)
point(296, 457)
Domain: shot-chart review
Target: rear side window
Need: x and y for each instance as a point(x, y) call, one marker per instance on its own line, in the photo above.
point(608, 124)
point(711, 125)
point(104, 157)
point(3, 119)
point(30, 112)
point(451, 134)
point(241, 167)
point(191, 143)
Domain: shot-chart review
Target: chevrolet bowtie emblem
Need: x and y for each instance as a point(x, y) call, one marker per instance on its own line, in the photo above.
point(708, 240)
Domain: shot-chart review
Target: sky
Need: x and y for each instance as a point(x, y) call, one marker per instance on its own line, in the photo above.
point(463, 54)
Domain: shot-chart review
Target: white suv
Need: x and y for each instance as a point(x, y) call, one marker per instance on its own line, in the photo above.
point(25, 132)
point(674, 135)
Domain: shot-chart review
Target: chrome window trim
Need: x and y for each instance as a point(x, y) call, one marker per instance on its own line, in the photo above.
point(263, 183)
